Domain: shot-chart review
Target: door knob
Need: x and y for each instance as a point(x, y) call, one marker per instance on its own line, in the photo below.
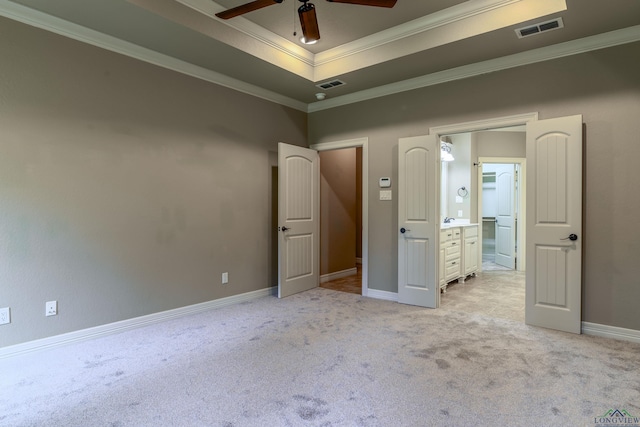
point(572, 237)
point(403, 230)
point(285, 228)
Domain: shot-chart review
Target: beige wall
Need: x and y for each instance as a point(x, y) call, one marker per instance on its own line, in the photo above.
point(126, 189)
point(338, 210)
point(602, 85)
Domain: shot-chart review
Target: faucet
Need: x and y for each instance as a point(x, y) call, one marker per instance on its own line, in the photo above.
point(447, 220)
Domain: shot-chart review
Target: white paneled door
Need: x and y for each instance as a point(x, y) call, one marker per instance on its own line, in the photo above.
point(298, 219)
point(505, 215)
point(418, 221)
point(554, 223)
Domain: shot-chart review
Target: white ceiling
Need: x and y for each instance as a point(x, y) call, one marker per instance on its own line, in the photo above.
point(373, 50)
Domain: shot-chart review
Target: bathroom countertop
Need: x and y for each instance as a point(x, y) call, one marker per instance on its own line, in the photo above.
point(453, 224)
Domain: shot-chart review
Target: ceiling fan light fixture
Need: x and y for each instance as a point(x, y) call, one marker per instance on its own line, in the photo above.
point(304, 41)
point(309, 23)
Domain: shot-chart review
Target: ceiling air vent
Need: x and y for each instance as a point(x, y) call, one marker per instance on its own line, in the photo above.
point(331, 84)
point(554, 24)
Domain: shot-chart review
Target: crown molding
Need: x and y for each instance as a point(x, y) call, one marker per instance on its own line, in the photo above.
point(77, 32)
point(587, 44)
point(262, 35)
point(417, 26)
point(65, 28)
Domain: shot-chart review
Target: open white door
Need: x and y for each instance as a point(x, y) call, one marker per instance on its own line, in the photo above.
point(554, 223)
point(505, 215)
point(418, 221)
point(298, 219)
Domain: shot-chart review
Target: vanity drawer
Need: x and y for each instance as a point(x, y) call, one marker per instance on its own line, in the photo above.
point(452, 269)
point(446, 235)
point(452, 251)
point(470, 232)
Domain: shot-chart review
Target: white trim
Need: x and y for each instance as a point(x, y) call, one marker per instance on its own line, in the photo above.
point(522, 211)
point(364, 143)
point(125, 325)
point(59, 26)
point(420, 25)
point(358, 261)
point(338, 274)
point(613, 332)
point(95, 38)
point(383, 295)
point(574, 47)
point(255, 31)
point(484, 124)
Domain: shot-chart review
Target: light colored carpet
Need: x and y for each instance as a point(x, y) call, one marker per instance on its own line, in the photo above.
point(325, 358)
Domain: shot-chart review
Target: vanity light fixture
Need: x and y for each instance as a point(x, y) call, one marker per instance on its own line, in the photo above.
point(445, 149)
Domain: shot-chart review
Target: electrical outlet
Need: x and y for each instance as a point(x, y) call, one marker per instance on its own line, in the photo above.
point(5, 315)
point(225, 278)
point(51, 308)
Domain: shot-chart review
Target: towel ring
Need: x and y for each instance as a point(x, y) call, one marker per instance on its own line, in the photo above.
point(463, 192)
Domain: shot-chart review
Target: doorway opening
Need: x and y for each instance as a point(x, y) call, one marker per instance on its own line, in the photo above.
point(341, 220)
point(499, 287)
point(360, 171)
point(501, 212)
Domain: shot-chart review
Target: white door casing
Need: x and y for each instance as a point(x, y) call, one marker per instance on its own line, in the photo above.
point(418, 221)
point(298, 219)
point(505, 215)
point(554, 224)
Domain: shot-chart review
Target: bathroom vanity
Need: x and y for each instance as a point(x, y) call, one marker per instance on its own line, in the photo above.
point(458, 253)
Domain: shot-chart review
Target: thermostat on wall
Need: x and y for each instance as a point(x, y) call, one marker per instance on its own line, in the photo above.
point(385, 182)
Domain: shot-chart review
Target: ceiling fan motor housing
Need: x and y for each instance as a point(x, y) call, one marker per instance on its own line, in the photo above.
point(309, 21)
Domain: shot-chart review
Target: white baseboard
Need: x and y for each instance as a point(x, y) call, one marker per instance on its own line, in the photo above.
point(611, 332)
point(338, 275)
point(125, 325)
point(385, 295)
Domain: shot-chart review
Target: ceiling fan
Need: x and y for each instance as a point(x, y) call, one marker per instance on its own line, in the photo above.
point(306, 12)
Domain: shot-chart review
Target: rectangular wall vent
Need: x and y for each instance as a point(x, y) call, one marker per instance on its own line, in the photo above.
point(331, 84)
point(542, 27)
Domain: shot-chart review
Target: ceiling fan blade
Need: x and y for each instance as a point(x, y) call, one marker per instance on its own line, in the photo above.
point(245, 8)
point(379, 3)
point(309, 22)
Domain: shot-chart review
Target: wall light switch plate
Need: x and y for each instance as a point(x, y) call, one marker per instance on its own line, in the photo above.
point(225, 278)
point(385, 194)
point(5, 315)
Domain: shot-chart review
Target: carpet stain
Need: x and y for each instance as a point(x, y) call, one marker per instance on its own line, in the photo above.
point(466, 354)
point(555, 411)
point(367, 421)
point(312, 409)
point(444, 412)
point(442, 364)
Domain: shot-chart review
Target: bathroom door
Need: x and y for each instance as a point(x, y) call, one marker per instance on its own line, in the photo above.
point(554, 224)
point(298, 219)
point(418, 221)
point(505, 215)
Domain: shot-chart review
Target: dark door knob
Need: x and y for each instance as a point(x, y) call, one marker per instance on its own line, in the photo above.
point(285, 228)
point(404, 230)
point(572, 237)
